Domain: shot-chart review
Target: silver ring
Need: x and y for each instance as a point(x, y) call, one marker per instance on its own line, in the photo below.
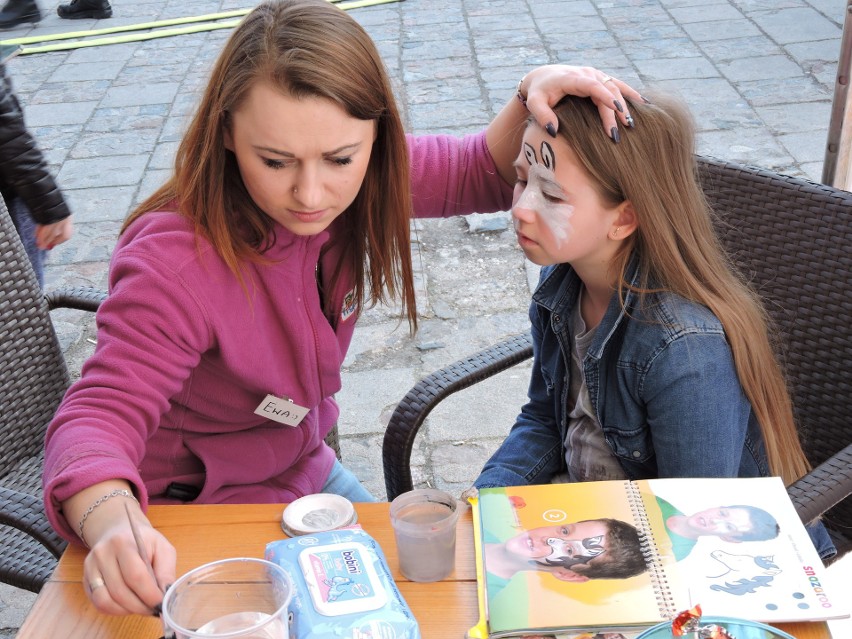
point(96, 583)
point(606, 79)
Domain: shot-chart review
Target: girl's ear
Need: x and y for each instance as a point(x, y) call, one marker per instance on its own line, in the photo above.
point(624, 223)
point(227, 137)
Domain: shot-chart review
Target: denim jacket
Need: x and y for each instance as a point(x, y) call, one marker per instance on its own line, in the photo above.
point(662, 380)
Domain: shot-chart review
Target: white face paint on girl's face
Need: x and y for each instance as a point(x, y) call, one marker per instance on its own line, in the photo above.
point(557, 211)
point(543, 194)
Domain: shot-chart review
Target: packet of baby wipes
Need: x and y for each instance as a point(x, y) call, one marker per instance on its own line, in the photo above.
point(343, 587)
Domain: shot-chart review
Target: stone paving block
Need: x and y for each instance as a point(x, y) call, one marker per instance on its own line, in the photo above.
point(486, 409)
point(671, 49)
point(94, 145)
point(115, 170)
point(714, 103)
point(55, 114)
point(130, 95)
point(743, 145)
point(806, 146)
point(360, 407)
point(100, 204)
point(705, 13)
point(128, 118)
point(658, 69)
point(116, 53)
point(104, 69)
point(58, 92)
point(745, 48)
point(796, 25)
point(796, 117)
point(760, 68)
point(152, 180)
point(800, 89)
point(164, 156)
point(808, 53)
point(720, 30)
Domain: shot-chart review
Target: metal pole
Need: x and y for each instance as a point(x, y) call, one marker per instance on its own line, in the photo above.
point(835, 166)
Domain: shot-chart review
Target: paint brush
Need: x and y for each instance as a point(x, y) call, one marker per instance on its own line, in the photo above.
point(140, 548)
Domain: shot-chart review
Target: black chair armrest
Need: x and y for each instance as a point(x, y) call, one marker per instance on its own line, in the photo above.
point(26, 513)
point(81, 298)
point(825, 486)
point(428, 392)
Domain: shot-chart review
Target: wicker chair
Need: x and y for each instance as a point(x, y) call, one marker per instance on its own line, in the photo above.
point(33, 378)
point(793, 240)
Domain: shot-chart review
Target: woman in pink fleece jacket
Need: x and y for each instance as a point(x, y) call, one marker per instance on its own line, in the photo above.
point(234, 289)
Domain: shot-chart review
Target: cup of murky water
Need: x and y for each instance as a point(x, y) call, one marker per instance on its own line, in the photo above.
point(241, 597)
point(424, 525)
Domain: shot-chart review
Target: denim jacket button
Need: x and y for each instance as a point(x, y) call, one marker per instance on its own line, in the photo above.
point(637, 454)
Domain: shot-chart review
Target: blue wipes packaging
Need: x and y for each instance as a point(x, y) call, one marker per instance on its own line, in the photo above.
point(343, 587)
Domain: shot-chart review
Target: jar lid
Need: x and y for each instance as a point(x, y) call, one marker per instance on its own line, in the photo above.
point(316, 513)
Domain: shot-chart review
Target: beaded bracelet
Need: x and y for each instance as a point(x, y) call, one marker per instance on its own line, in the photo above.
point(519, 94)
point(118, 492)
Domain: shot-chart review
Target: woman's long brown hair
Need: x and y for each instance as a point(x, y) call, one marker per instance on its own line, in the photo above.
point(306, 48)
point(654, 167)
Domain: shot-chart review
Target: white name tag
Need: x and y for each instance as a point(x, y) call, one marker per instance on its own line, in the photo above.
point(281, 410)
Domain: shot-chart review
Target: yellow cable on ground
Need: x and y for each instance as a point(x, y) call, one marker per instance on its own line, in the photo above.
point(128, 27)
point(160, 33)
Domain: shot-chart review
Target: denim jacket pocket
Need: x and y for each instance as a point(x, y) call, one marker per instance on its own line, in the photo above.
point(630, 445)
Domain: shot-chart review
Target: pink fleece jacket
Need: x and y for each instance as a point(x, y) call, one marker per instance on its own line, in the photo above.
point(184, 357)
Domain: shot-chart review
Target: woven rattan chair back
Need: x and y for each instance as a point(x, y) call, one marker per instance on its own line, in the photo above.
point(792, 239)
point(33, 378)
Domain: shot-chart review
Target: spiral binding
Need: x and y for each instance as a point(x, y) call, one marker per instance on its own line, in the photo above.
point(659, 581)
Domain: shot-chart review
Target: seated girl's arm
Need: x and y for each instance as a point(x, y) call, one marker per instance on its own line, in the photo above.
point(697, 412)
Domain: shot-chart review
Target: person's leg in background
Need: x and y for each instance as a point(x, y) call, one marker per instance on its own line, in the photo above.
point(342, 481)
point(26, 226)
point(78, 9)
point(17, 12)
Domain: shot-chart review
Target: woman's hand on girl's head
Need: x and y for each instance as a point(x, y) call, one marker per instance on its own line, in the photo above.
point(543, 87)
point(115, 577)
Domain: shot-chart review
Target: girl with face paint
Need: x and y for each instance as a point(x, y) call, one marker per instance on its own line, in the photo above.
point(652, 355)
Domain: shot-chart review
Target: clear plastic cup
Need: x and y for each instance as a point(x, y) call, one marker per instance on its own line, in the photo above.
point(424, 525)
point(234, 598)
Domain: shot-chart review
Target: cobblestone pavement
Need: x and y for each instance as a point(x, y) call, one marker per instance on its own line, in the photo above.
point(758, 75)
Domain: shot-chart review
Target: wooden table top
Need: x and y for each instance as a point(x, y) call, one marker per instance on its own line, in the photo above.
point(63, 610)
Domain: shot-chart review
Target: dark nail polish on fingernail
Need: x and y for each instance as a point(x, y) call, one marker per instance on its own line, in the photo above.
point(618, 106)
point(645, 100)
point(551, 130)
point(158, 610)
point(629, 119)
point(613, 133)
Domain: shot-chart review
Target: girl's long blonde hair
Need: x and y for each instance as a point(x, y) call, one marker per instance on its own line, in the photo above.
point(678, 249)
point(306, 48)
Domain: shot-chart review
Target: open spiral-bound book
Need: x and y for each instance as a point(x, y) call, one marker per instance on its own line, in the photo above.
point(624, 555)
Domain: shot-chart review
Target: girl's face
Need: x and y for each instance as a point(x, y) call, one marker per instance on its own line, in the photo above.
point(558, 214)
point(302, 161)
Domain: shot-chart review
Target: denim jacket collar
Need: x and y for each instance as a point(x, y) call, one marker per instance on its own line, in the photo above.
point(559, 291)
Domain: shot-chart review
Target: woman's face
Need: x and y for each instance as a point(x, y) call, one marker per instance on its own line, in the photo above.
point(302, 160)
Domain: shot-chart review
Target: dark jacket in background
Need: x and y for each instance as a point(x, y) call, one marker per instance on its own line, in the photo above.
point(23, 169)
